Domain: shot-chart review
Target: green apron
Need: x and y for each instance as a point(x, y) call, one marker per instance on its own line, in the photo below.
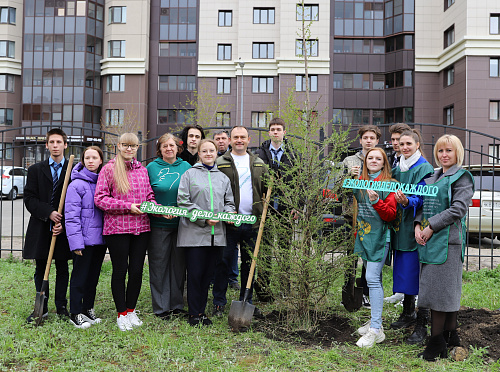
point(371, 229)
point(402, 232)
point(436, 249)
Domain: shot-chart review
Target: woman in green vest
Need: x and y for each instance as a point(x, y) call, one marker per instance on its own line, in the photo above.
point(375, 210)
point(440, 232)
point(413, 168)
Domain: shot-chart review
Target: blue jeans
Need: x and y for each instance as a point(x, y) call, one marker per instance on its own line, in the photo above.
point(374, 280)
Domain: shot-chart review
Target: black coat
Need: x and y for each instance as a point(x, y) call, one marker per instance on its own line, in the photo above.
point(37, 195)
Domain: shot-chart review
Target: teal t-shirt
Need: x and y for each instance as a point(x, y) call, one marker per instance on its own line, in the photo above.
point(164, 178)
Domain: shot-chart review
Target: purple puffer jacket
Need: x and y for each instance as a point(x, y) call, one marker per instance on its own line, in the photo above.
point(84, 221)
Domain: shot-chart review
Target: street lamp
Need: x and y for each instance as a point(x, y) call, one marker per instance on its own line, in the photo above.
point(242, 64)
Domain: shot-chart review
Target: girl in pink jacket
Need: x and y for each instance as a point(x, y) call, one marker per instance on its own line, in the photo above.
point(122, 186)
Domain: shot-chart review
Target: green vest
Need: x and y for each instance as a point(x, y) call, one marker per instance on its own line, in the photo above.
point(371, 229)
point(403, 233)
point(436, 249)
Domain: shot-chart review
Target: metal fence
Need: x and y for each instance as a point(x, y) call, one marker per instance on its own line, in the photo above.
point(22, 147)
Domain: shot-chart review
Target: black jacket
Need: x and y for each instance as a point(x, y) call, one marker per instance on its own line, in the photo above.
point(37, 195)
point(187, 156)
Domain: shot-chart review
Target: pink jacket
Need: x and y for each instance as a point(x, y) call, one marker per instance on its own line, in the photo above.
point(117, 216)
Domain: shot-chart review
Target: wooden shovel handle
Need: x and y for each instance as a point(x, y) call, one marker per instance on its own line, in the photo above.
point(59, 210)
point(259, 238)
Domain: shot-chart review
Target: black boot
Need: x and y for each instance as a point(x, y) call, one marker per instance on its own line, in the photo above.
point(408, 316)
point(451, 337)
point(436, 347)
point(420, 332)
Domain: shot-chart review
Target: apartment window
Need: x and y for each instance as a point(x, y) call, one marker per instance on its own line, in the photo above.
point(311, 47)
point(6, 83)
point(449, 76)
point(116, 48)
point(6, 151)
point(6, 116)
point(177, 82)
point(263, 15)
point(263, 50)
point(449, 36)
point(448, 3)
point(494, 24)
point(117, 14)
point(7, 49)
point(223, 52)
point(448, 115)
point(310, 12)
point(116, 83)
point(223, 86)
point(223, 119)
point(494, 154)
point(378, 81)
point(260, 119)
point(399, 79)
point(225, 18)
point(494, 110)
point(172, 116)
point(494, 67)
point(300, 83)
point(8, 15)
point(114, 117)
point(177, 49)
point(262, 85)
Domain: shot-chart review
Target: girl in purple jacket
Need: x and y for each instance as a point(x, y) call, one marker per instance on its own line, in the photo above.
point(84, 222)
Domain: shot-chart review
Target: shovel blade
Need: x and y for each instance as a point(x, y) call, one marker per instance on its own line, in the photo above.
point(38, 312)
point(240, 315)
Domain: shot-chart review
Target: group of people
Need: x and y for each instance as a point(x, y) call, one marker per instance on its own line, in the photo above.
point(424, 234)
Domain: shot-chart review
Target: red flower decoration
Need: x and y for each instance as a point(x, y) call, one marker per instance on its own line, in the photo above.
point(181, 142)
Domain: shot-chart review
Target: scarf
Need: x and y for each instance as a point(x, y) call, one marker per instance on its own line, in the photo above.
point(406, 164)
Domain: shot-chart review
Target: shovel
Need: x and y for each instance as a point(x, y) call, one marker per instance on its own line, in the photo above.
point(40, 296)
point(241, 312)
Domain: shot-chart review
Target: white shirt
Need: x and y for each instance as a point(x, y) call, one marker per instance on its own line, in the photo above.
point(242, 163)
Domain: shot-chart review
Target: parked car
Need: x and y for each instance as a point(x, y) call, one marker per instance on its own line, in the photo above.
point(484, 209)
point(13, 181)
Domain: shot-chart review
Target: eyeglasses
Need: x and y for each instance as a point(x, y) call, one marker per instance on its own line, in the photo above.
point(127, 145)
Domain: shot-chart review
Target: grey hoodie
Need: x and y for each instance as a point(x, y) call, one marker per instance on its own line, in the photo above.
point(194, 193)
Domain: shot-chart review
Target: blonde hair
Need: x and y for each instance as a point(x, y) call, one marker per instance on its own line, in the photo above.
point(455, 142)
point(120, 170)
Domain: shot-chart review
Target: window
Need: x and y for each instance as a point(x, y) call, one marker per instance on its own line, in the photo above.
point(177, 82)
point(114, 117)
point(494, 67)
point(223, 52)
point(263, 15)
point(263, 50)
point(494, 24)
point(173, 116)
point(494, 110)
point(311, 48)
point(399, 79)
point(308, 13)
point(223, 119)
point(224, 86)
point(7, 49)
point(449, 36)
point(448, 3)
point(448, 115)
point(262, 85)
point(494, 154)
point(300, 83)
point(117, 14)
point(6, 151)
point(8, 15)
point(177, 49)
point(260, 119)
point(225, 18)
point(6, 83)
point(449, 76)
point(378, 81)
point(116, 48)
point(116, 83)
point(6, 116)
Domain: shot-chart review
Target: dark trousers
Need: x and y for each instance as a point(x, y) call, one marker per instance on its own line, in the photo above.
point(233, 270)
point(62, 278)
point(127, 253)
point(84, 278)
point(200, 264)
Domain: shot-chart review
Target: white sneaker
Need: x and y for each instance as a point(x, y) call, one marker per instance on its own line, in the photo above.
point(363, 330)
point(134, 319)
point(396, 297)
point(124, 323)
point(371, 338)
point(79, 321)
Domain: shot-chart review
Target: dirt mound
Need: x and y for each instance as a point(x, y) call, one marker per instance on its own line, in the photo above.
point(480, 328)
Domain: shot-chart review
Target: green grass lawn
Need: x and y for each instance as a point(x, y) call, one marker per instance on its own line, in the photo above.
point(173, 345)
